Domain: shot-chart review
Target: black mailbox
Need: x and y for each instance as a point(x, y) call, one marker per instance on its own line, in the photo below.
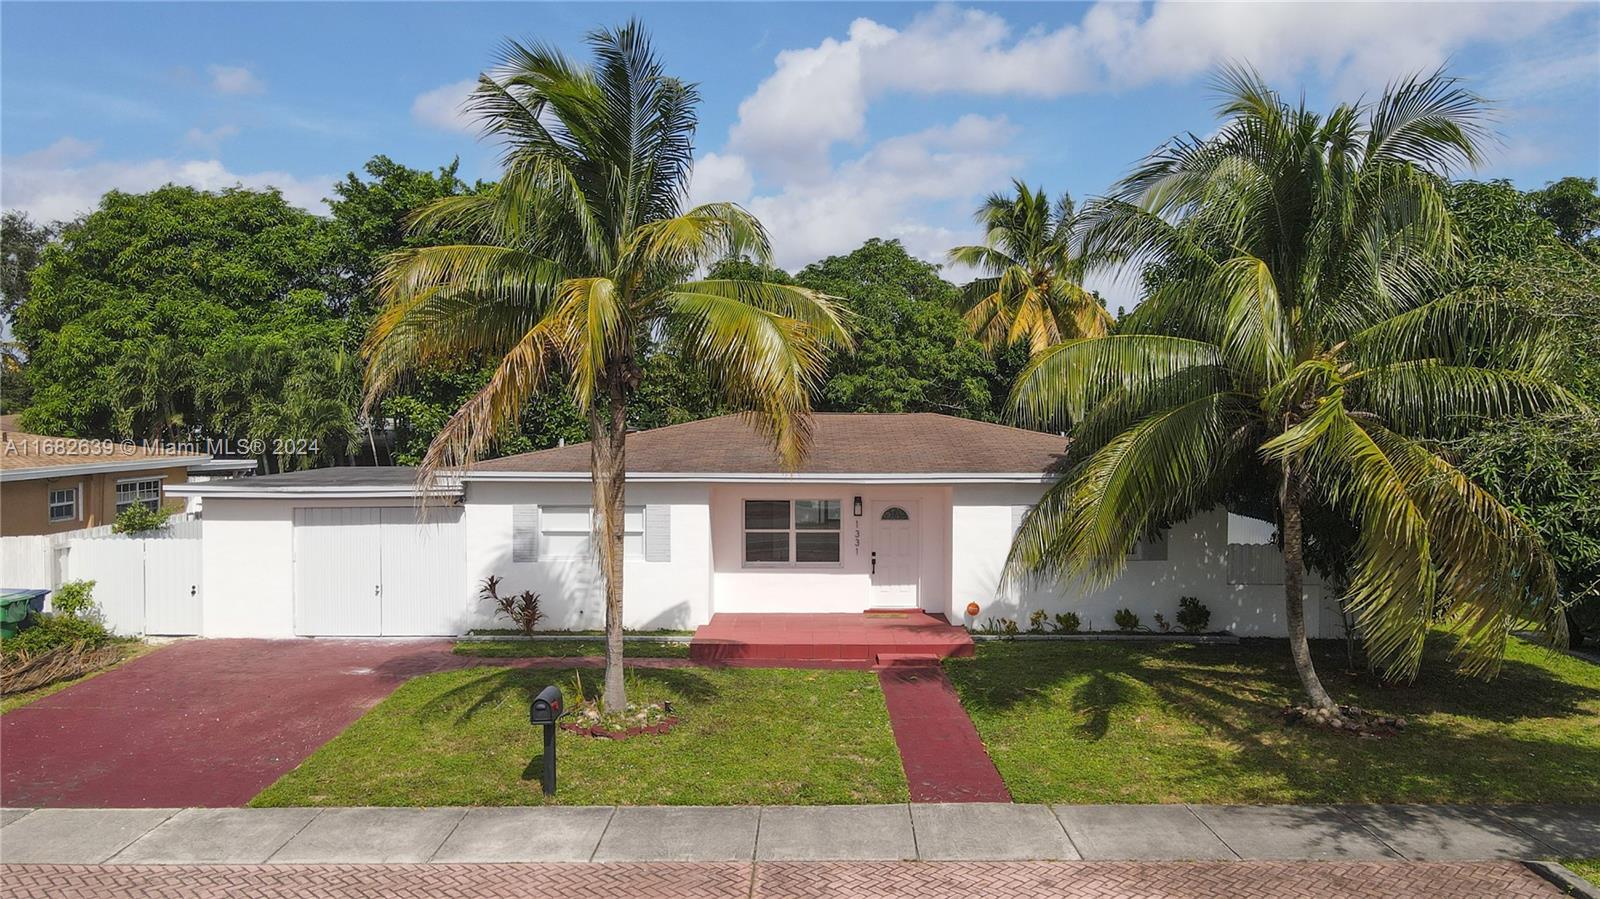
point(545, 709)
point(547, 706)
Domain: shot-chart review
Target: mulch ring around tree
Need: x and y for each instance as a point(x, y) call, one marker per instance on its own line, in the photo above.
point(652, 718)
point(1349, 719)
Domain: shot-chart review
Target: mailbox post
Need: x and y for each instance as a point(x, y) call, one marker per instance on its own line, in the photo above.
point(547, 707)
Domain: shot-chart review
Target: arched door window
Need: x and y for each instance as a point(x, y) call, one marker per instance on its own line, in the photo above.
point(895, 513)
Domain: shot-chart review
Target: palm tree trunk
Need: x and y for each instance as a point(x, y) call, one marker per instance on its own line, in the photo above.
point(608, 459)
point(1294, 593)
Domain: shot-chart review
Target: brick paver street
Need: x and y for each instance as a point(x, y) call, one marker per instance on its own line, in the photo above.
point(789, 880)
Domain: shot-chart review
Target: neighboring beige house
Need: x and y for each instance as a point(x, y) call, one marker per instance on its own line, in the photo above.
point(54, 484)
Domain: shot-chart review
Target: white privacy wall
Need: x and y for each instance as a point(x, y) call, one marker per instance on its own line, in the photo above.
point(663, 594)
point(1197, 564)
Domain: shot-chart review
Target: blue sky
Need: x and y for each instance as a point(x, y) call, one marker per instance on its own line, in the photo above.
point(833, 121)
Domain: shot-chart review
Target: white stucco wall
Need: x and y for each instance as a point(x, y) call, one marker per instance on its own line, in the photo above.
point(845, 588)
point(1196, 565)
point(672, 594)
point(247, 554)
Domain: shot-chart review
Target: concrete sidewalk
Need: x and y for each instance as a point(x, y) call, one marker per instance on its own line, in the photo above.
point(925, 832)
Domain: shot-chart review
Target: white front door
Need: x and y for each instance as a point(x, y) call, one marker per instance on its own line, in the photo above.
point(895, 559)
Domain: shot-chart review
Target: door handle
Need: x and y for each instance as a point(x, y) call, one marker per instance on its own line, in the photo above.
point(874, 563)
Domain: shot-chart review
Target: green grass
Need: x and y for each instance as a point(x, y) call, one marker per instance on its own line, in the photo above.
point(638, 649)
point(131, 650)
point(1587, 868)
point(1109, 723)
point(747, 736)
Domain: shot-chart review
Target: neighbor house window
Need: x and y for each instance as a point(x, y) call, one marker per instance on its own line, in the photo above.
point(791, 532)
point(64, 504)
point(565, 532)
point(146, 490)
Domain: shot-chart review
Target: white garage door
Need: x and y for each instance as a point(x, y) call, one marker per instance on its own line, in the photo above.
point(367, 572)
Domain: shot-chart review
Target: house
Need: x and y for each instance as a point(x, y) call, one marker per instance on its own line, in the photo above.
point(53, 484)
point(912, 511)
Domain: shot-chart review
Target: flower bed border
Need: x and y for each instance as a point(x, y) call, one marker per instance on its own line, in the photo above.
point(638, 730)
point(1115, 637)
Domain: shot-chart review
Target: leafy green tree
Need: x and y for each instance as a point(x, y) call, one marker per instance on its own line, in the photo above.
point(1032, 289)
point(913, 353)
point(22, 243)
point(1546, 467)
point(1573, 206)
point(132, 299)
point(581, 254)
point(1302, 326)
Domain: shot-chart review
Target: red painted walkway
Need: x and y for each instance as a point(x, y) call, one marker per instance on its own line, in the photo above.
point(943, 756)
point(210, 722)
point(844, 640)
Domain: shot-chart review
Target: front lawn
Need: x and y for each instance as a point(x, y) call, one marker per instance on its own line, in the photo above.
point(747, 736)
point(1109, 723)
point(536, 648)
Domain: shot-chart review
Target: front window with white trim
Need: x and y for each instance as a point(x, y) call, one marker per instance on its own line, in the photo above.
point(566, 532)
point(780, 532)
point(141, 490)
point(63, 504)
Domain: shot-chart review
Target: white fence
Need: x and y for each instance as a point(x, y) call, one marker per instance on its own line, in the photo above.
point(144, 584)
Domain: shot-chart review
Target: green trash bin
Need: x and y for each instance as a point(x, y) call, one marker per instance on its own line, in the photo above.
point(16, 606)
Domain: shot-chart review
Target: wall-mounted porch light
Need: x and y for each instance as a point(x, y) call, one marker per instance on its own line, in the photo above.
point(856, 507)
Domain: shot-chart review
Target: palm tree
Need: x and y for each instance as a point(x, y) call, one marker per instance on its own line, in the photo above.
point(582, 257)
point(1301, 322)
point(1032, 291)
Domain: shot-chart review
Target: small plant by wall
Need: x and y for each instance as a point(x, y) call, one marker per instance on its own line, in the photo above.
point(139, 518)
point(1037, 620)
point(522, 609)
point(1067, 623)
point(1126, 620)
point(1193, 615)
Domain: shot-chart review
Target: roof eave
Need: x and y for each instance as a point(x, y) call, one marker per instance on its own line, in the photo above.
point(760, 477)
point(67, 471)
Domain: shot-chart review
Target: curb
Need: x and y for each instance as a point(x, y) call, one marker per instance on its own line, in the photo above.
point(1206, 639)
point(1569, 883)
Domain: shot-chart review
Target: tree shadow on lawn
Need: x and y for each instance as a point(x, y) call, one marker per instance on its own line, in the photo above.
point(494, 688)
point(1466, 738)
point(1259, 674)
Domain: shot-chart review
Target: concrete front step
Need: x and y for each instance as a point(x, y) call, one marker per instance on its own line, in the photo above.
point(825, 640)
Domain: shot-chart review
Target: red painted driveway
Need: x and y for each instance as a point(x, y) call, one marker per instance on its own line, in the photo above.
point(201, 722)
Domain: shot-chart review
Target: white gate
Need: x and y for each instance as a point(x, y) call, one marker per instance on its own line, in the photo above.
point(367, 572)
point(144, 584)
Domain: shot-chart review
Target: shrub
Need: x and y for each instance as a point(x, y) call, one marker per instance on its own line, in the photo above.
point(1036, 621)
point(1126, 620)
point(1002, 626)
point(75, 620)
point(1162, 624)
point(138, 518)
point(1068, 622)
point(522, 609)
point(1193, 616)
point(74, 598)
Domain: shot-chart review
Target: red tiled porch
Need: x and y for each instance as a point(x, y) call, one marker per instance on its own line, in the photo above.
point(824, 640)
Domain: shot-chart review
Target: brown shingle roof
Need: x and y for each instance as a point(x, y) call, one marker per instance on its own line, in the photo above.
point(842, 443)
point(23, 452)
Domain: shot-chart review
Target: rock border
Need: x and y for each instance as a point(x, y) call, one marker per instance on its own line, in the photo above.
point(638, 730)
point(1213, 639)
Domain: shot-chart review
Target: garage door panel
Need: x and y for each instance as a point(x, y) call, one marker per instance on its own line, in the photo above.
point(336, 572)
point(424, 571)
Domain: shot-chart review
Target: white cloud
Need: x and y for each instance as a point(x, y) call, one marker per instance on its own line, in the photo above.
point(210, 140)
point(890, 191)
point(442, 107)
point(720, 178)
point(784, 145)
point(235, 80)
point(67, 178)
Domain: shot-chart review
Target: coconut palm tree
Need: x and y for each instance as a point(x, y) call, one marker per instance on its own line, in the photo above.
point(1301, 322)
point(1032, 291)
point(583, 256)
